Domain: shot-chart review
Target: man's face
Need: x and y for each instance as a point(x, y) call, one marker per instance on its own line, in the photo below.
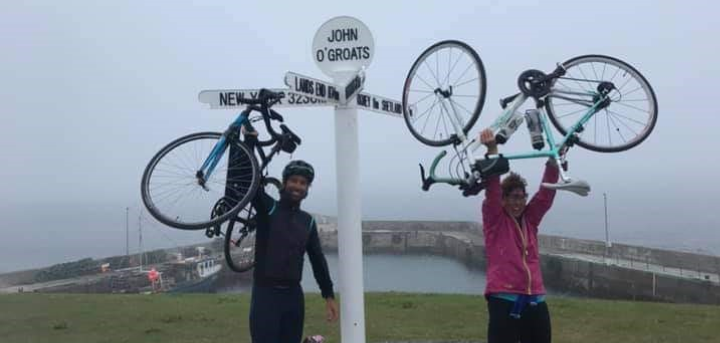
point(296, 187)
point(514, 202)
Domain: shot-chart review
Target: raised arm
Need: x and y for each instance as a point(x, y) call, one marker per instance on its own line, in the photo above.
point(544, 197)
point(492, 204)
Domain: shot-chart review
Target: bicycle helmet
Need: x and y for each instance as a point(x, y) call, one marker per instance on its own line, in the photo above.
point(299, 167)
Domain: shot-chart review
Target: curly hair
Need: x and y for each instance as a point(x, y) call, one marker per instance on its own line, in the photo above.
point(512, 182)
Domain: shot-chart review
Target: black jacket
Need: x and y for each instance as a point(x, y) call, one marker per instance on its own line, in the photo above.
point(284, 234)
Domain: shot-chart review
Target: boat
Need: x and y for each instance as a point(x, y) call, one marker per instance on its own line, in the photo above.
point(195, 274)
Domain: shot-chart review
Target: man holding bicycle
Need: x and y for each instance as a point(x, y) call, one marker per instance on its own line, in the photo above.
point(284, 234)
point(515, 292)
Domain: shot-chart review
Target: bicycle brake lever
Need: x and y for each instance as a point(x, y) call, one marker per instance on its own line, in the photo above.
point(427, 182)
point(276, 116)
point(474, 189)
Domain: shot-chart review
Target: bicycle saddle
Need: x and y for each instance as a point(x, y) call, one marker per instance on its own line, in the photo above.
point(578, 187)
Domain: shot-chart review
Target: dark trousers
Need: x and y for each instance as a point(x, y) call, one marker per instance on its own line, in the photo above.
point(277, 314)
point(533, 326)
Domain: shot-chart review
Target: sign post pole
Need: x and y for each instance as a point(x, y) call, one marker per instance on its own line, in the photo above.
point(342, 48)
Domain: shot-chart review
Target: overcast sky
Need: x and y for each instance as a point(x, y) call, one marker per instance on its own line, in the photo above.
point(89, 91)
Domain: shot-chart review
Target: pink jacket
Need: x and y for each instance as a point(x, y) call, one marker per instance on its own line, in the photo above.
point(511, 248)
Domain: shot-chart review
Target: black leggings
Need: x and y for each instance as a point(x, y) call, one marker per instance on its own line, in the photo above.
point(277, 315)
point(532, 327)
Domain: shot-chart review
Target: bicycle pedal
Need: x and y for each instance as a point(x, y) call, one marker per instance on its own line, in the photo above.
point(579, 187)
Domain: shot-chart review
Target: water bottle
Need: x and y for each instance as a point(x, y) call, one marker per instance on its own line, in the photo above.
point(505, 131)
point(532, 118)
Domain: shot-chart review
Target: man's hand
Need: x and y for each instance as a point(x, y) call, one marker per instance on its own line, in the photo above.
point(487, 138)
point(331, 309)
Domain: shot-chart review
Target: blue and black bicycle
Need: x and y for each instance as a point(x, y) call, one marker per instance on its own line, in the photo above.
point(206, 180)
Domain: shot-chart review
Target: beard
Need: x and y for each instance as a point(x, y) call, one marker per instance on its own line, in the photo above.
point(292, 198)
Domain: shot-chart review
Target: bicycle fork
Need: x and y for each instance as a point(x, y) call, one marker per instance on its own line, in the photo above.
point(210, 163)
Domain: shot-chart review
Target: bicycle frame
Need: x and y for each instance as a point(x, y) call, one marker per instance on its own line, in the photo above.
point(212, 160)
point(469, 146)
point(243, 121)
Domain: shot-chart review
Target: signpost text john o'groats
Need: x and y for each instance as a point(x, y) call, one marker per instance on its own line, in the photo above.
point(343, 48)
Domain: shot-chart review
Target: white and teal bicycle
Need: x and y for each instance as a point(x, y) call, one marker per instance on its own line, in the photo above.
point(597, 102)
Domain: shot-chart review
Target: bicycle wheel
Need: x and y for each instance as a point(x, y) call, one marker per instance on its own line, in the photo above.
point(172, 194)
point(240, 241)
point(444, 92)
point(622, 121)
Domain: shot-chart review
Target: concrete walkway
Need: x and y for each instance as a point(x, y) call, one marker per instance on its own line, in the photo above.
point(637, 265)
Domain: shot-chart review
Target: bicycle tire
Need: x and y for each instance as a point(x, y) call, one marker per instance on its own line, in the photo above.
point(247, 230)
point(612, 118)
point(409, 100)
point(243, 186)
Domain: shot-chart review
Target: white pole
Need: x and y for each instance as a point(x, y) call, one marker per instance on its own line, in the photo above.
point(607, 236)
point(127, 231)
point(140, 236)
point(347, 154)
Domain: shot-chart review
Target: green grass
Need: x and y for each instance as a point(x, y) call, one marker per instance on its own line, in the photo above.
point(389, 317)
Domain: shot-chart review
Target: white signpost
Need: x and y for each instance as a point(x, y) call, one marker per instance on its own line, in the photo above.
point(342, 48)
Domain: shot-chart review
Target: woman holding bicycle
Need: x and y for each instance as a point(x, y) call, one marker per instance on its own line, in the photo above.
point(515, 292)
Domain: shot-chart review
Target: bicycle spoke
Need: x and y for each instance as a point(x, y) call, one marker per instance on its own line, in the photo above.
point(182, 195)
point(428, 117)
point(461, 106)
point(628, 118)
point(582, 72)
point(185, 156)
point(167, 194)
point(617, 70)
point(617, 129)
point(607, 120)
point(569, 103)
point(632, 100)
point(178, 167)
point(466, 82)
point(571, 113)
point(578, 83)
point(179, 163)
point(433, 74)
point(594, 72)
point(633, 107)
point(423, 98)
point(462, 75)
point(171, 174)
point(633, 91)
point(426, 111)
point(422, 91)
point(595, 116)
point(625, 84)
point(568, 88)
point(437, 126)
point(624, 124)
point(444, 123)
point(426, 83)
point(447, 78)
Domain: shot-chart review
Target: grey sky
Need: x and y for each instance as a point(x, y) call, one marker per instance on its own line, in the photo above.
point(91, 91)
